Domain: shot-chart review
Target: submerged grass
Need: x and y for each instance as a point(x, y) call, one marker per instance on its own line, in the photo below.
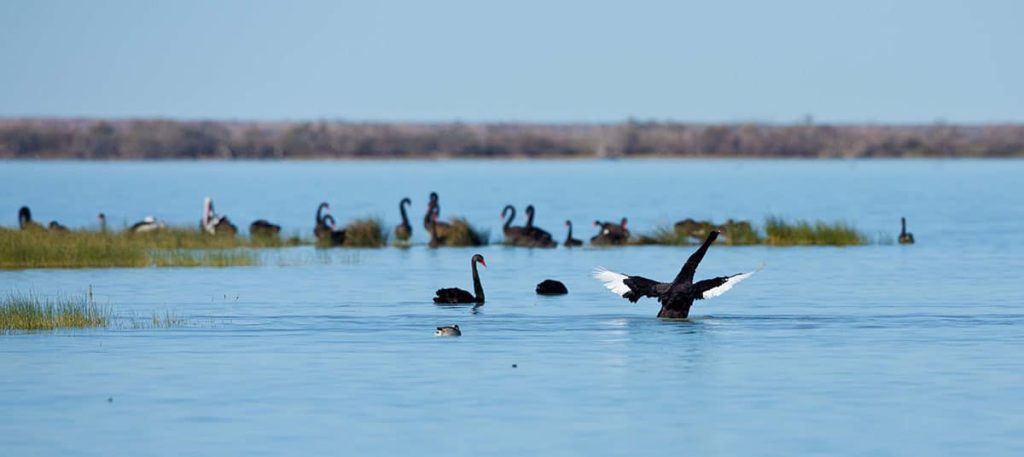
point(84, 249)
point(29, 312)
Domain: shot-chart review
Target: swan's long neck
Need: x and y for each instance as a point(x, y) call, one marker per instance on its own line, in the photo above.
point(569, 236)
point(903, 226)
point(478, 289)
point(320, 214)
point(529, 217)
point(428, 218)
point(401, 209)
point(207, 211)
point(512, 215)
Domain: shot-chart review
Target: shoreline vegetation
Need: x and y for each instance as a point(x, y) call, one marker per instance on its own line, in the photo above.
point(134, 139)
point(21, 312)
point(182, 247)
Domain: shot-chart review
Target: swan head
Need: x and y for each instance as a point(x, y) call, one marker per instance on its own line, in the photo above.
point(479, 259)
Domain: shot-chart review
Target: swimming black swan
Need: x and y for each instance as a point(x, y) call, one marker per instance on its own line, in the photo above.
point(403, 231)
point(56, 227)
point(147, 224)
point(455, 295)
point(569, 240)
point(905, 237)
point(449, 330)
point(321, 230)
point(215, 224)
point(263, 228)
point(611, 233)
point(551, 287)
point(25, 221)
point(675, 297)
point(332, 237)
point(514, 235)
point(536, 236)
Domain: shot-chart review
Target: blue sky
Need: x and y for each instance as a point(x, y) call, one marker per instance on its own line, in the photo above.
point(853, 61)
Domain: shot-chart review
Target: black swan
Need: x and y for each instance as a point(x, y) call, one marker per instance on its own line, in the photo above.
point(675, 297)
point(25, 221)
point(514, 235)
point(147, 224)
point(216, 224)
point(321, 230)
point(435, 240)
point(905, 237)
point(332, 237)
point(403, 231)
point(263, 228)
point(458, 296)
point(569, 240)
point(551, 287)
point(56, 227)
point(611, 233)
point(449, 330)
point(536, 236)
point(431, 221)
point(102, 218)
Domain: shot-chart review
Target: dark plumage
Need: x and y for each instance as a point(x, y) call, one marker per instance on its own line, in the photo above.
point(321, 230)
point(551, 287)
point(611, 233)
point(25, 221)
point(536, 237)
point(452, 296)
point(56, 227)
point(675, 297)
point(514, 235)
point(331, 237)
point(569, 240)
point(263, 228)
point(905, 237)
point(403, 231)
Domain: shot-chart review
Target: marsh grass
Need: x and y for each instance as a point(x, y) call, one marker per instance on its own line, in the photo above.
point(365, 233)
point(802, 233)
point(778, 232)
point(86, 249)
point(31, 313)
point(462, 233)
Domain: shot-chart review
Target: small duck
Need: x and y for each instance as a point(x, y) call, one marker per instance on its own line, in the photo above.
point(451, 330)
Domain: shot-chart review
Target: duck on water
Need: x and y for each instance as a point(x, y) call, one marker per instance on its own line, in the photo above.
point(676, 297)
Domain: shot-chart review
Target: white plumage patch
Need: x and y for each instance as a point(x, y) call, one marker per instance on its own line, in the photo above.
point(732, 281)
point(612, 280)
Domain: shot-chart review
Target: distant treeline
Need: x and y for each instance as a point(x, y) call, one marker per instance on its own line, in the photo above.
point(166, 139)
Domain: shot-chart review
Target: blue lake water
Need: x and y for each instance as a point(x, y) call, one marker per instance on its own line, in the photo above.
point(875, 350)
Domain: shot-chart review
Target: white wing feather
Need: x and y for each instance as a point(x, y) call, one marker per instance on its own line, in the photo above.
point(612, 280)
point(732, 281)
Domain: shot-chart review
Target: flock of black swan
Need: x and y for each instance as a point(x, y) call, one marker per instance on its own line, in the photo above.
point(676, 297)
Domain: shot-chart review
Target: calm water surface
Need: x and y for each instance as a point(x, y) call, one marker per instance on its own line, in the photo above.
point(876, 350)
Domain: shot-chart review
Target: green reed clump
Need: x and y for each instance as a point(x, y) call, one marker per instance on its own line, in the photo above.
point(87, 249)
point(29, 312)
point(461, 233)
point(365, 233)
point(783, 233)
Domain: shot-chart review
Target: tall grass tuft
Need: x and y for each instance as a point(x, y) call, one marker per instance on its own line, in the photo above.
point(29, 312)
point(800, 233)
point(462, 234)
point(84, 249)
point(740, 233)
point(365, 233)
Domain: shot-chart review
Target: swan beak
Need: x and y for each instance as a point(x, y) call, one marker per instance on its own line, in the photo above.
point(482, 262)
